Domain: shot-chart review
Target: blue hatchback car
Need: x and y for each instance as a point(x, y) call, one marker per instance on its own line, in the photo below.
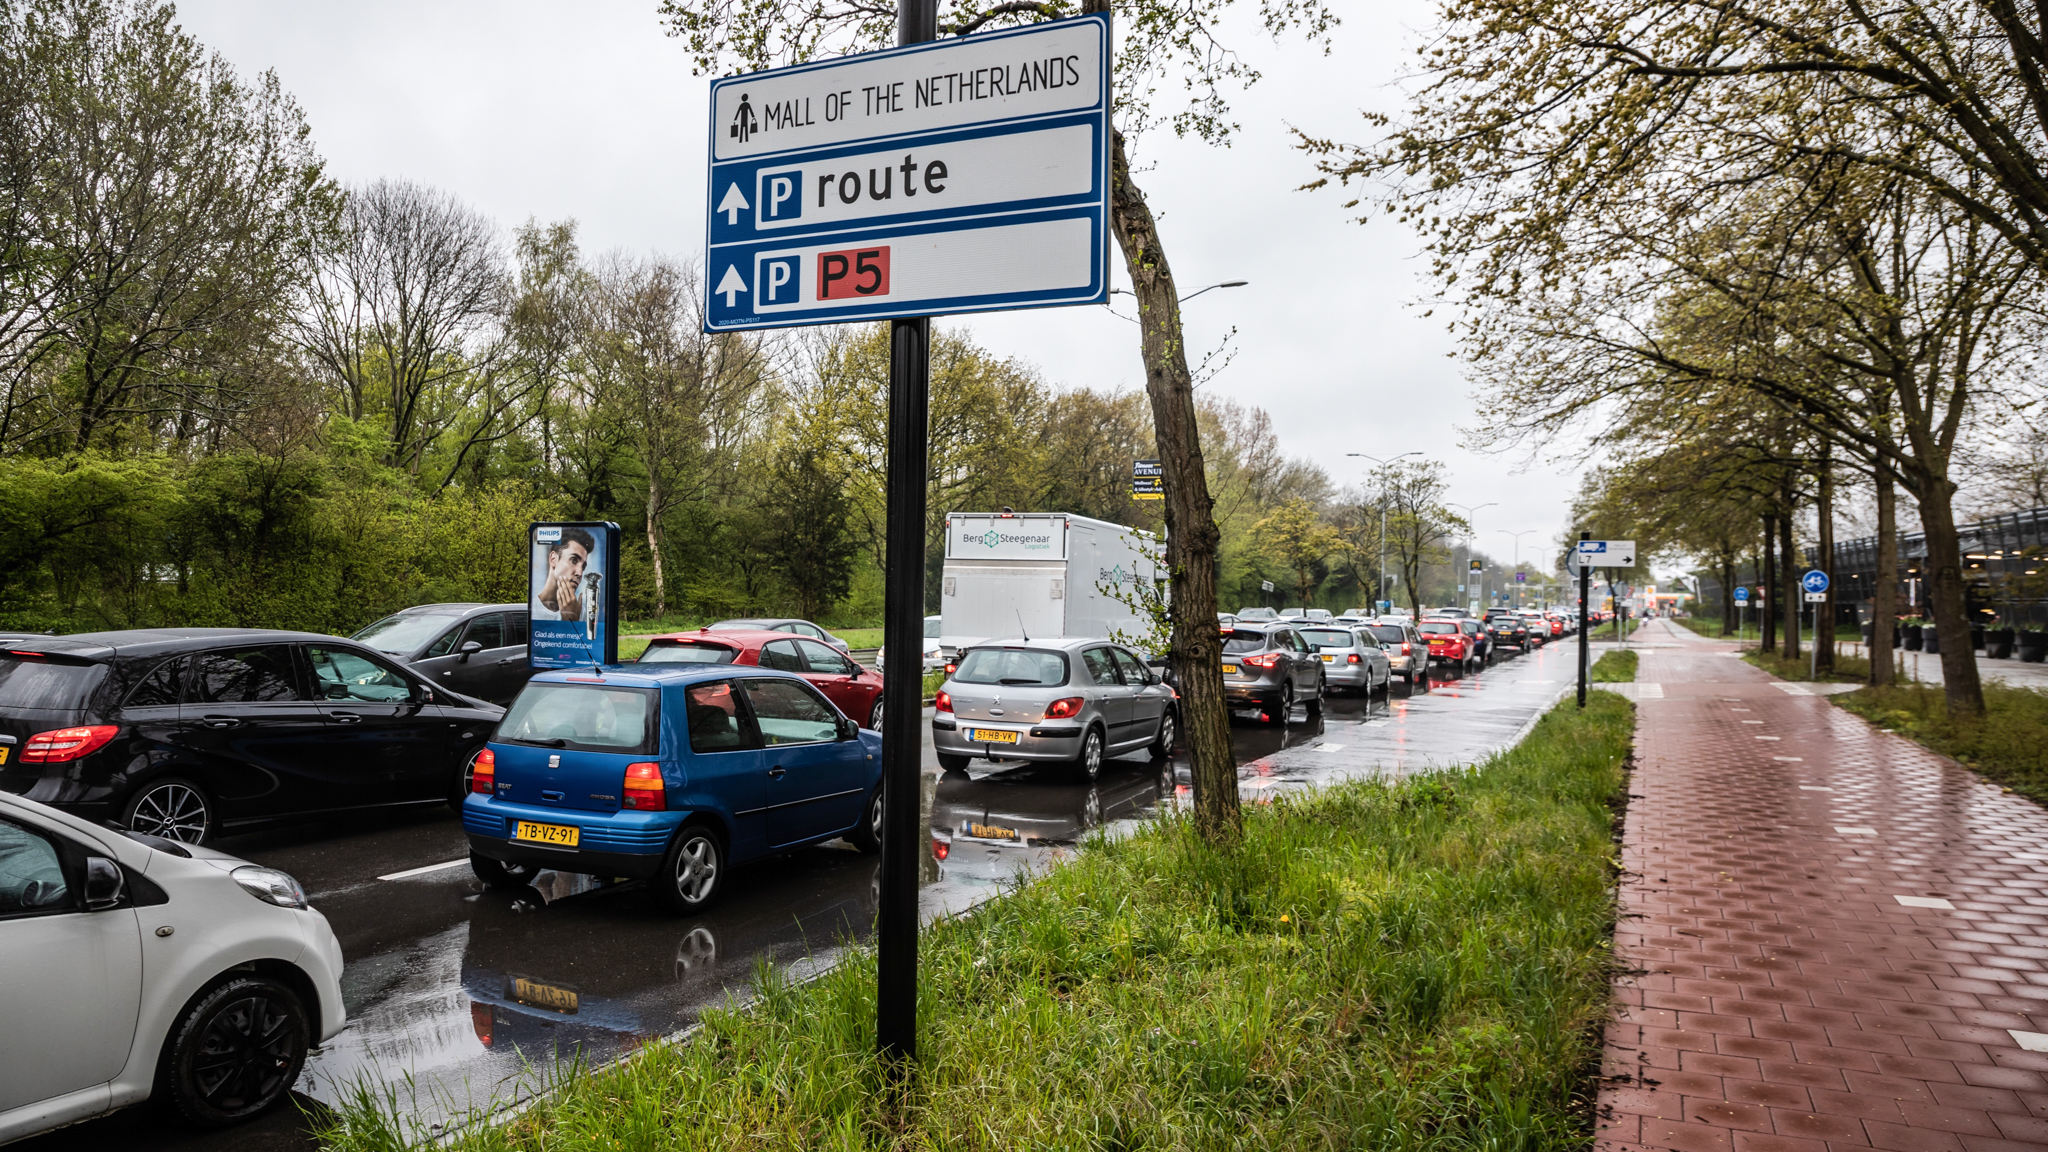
point(671, 773)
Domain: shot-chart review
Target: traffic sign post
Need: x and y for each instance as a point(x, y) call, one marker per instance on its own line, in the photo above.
point(960, 176)
point(1741, 614)
point(1815, 584)
point(1585, 572)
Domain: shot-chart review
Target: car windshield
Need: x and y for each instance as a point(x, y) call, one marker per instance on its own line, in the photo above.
point(406, 631)
point(1015, 667)
point(1438, 628)
point(1255, 614)
point(593, 717)
point(1391, 632)
point(44, 684)
point(931, 627)
point(687, 652)
point(1328, 637)
point(1244, 640)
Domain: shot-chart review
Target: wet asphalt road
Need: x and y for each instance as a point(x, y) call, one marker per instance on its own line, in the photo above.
point(454, 990)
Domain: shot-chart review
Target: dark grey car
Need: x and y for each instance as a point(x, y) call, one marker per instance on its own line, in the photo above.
point(476, 649)
point(1269, 666)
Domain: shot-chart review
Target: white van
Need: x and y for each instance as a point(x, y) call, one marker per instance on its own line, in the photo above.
point(1040, 574)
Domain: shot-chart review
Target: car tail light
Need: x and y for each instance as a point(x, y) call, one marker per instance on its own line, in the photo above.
point(951, 667)
point(1352, 659)
point(644, 789)
point(1404, 649)
point(480, 1019)
point(1064, 709)
point(941, 849)
point(483, 772)
point(1268, 660)
point(943, 702)
point(64, 745)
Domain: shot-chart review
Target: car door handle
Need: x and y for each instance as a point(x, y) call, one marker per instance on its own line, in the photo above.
point(512, 660)
point(221, 721)
point(344, 717)
point(775, 772)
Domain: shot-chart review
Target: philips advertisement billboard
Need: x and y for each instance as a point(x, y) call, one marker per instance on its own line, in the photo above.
point(573, 595)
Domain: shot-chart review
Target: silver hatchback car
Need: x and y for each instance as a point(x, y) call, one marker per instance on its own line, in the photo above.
point(1352, 658)
point(1063, 701)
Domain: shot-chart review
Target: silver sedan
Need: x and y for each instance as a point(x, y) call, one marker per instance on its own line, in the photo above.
point(1063, 701)
point(1352, 658)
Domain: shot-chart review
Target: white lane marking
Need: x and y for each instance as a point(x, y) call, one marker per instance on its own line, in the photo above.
point(1771, 738)
point(1814, 788)
point(1377, 723)
point(1790, 759)
point(1925, 902)
point(1327, 747)
point(409, 872)
point(1855, 831)
point(2031, 1041)
point(1649, 691)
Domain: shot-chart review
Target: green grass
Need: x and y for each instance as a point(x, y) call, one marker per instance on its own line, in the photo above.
point(860, 637)
point(1848, 669)
point(1418, 965)
point(1616, 667)
point(2009, 746)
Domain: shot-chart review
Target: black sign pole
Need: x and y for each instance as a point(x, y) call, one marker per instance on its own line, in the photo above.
point(1585, 641)
point(903, 632)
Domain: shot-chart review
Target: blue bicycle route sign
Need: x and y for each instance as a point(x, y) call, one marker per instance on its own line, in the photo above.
point(1815, 581)
point(1742, 595)
point(963, 175)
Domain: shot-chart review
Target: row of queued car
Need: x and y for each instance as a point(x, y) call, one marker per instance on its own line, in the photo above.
point(180, 972)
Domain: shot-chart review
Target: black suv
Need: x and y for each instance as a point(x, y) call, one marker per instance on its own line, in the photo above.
point(185, 733)
point(1508, 628)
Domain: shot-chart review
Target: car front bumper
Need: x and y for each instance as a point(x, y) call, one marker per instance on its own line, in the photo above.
point(1037, 740)
point(624, 843)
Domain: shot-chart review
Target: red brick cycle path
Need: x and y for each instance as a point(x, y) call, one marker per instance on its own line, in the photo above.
point(1778, 994)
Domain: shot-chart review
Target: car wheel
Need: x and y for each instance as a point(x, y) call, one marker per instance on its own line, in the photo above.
point(1162, 747)
point(1315, 699)
point(868, 835)
point(875, 716)
point(693, 873)
point(171, 808)
point(954, 761)
point(499, 874)
point(1285, 709)
point(235, 1051)
point(1089, 763)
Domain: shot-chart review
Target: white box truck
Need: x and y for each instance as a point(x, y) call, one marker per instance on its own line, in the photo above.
point(1045, 575)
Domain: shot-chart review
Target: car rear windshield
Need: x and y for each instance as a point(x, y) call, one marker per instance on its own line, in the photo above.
point(1438, 628)
point(1244, 640)
point(592, 717)
point(687, 652)
point(1392, 632)
point(1014, 667)
point(46, 684)
point(1328, 637)
point(405, 633)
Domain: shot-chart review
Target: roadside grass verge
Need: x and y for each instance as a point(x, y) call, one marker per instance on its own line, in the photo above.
point(2008, 747)
point(1419, 965)
point(1848, 669)
point(1615, 667)
point(860, 637)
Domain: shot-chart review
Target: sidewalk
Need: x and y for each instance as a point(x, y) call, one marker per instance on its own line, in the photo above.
point(1834, 938)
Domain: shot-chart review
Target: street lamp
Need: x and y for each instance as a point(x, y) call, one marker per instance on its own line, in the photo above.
point(1471, 513)
point(1191, 295)
point(1518, 555)
point(1388, 462)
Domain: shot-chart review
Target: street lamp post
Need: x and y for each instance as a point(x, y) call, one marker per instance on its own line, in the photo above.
point(1518, 555)
point(1388, 462)
point(1471, 513)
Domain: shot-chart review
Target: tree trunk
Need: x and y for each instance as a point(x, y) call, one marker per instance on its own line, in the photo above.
point(1944, 568)
point(1767, 589)
point(654, 547)
point(1728, 561)
point(1824, 612)
point(1191, 535)
point(1788, 596)
point(1884, 599)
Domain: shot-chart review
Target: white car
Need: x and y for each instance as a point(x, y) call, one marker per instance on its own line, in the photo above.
point(132, 967)
point(934, 652)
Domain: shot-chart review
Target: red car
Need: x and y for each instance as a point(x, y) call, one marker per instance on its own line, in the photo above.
point(856, 690)
point(1448, 643)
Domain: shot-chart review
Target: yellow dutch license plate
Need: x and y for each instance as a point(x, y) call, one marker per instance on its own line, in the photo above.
point(1329, 658)
point(1230, 669)
point(565, 835)
point(539, 995)
point(991, 831)
point(3, 754)
point(991, 736)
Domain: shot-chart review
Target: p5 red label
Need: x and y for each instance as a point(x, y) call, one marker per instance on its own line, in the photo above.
point(853, 273)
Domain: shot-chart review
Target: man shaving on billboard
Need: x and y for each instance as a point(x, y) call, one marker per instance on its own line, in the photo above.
point(561, 594)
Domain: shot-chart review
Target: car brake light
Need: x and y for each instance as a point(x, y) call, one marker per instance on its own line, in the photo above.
point(483, 772)
point(941, 849)
point(1353, 658)
point(1062, 709)
point(1404, 649)
point(644, 789)
point(1269, 660)
point(951, 668)
point(943, 702)
point(480, 1019)
point(64, 745)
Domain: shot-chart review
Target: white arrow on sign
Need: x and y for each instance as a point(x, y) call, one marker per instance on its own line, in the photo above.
point(732, 283)
point(735, 202)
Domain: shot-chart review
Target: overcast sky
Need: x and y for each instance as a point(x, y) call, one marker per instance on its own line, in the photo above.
point(588, 111)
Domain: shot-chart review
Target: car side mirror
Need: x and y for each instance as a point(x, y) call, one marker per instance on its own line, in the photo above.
point(104, 884)
point(469, 648)
point(848, 730)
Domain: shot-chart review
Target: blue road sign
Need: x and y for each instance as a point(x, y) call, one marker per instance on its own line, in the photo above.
point(962, 175)
point(1815, 581)
point(1742, 595)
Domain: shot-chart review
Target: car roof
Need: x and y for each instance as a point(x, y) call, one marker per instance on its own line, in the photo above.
point(742, 637)
point(739, 623)
point(146, 641)
point(652, 675)
point(1064, 643)
point(462, 609)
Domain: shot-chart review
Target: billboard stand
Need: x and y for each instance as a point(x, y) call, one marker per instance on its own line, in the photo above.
point(572, 596)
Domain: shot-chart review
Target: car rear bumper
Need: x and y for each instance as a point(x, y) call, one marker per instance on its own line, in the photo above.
point(1347, 675)
point(608, 843)
point(1041, 740)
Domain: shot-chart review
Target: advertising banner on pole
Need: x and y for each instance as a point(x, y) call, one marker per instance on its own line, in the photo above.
point(1148, 480)
point(572, 595)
